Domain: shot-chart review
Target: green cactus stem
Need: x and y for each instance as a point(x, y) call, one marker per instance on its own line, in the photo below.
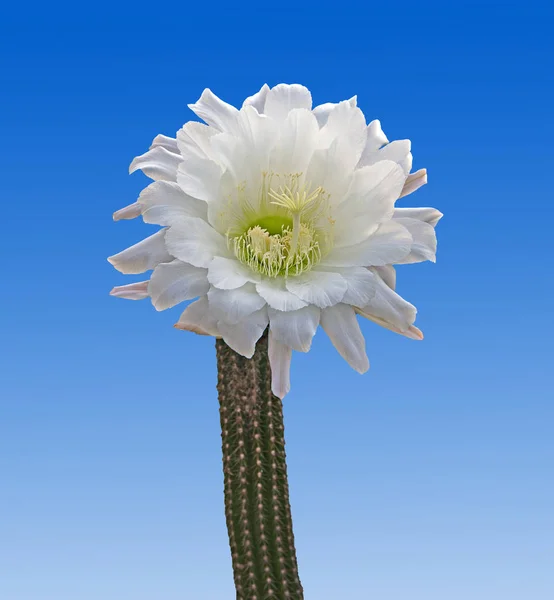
point(257, 504)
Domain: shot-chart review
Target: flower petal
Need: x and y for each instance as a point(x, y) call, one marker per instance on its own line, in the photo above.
point(387, 306)
point(414, 182)
point(346, 124)
point(399, 151)
point(360, 284)
point(200, 178)
point(193, 139)
point(131, 291)
point(274, 293)
point(166, 142)
point(194, 241)
point(243, 336)
point(428, 215)
point(283, 98)
point(375, 138)
point(330, 171)
point(296, 144)
point(215, 112)
point(229, 274)
point(232, 306)
point(424, 245)
point(143, 256)
point(258, 134)
point(370, 202)
point(340, 324)
point(295, 328)
point(279, 360)
point(412, 332)
point(323, 111)
point(128, 212)
point(389, 244)
point(388, 274)
point(158, 163)
point(164, 202)
point(198, 318)
point(258, 99)
point(322, 288)
point(174, 282)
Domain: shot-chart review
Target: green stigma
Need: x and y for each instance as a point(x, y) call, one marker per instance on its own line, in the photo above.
point(274, 225)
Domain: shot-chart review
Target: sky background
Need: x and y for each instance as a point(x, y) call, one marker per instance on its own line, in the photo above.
point(428, 478)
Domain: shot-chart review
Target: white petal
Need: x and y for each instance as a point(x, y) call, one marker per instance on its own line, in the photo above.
point(346, 124)
point(322, 288)
point(375, 137)
point(131, 291)
point(424, 245)
point(259, 134)
point(166, 142)
point(258, 99)
point(398, 151)
point(341, 325)
point(329, 170)
point(295, 328)
point(323, 111)
point(370, 202)
point(389, 244)
point(360, 283)
point(232, 306)
point(143, 256)
point(428, 215)
point(240, 160)
point(198, 318)
point(164, 202)
point(200, 178)
point(229, 274)
point(297, 142)
point(273, 291)
point(215, 112)
point(128, 212)
point(174, 282)
point(158, 163)
point(412, 332)
point(194, 139)
point(243, 336)
point(279, 360)
point(194, 241)
point(283, 98)
point(388, 274)
point(414, 182)
point(389, 307)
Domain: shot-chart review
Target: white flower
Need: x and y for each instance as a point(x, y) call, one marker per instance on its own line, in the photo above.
point(279, 215)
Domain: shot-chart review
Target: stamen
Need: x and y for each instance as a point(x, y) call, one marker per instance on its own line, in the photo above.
point(287, 239)
point(275, 255)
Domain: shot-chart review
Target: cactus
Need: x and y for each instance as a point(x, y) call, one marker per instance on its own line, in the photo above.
point(257, 504)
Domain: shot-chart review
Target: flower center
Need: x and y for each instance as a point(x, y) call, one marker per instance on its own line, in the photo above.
point(285, 241)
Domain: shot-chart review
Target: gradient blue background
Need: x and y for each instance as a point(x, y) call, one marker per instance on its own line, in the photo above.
point(429, 478)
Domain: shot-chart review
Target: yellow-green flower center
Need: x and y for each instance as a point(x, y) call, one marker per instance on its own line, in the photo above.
point(285, 253)
point(282, 238)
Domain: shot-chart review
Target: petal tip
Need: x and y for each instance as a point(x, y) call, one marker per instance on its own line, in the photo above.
point(416, 334)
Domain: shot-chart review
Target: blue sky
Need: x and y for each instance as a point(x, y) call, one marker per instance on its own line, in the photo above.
point(428, 478)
